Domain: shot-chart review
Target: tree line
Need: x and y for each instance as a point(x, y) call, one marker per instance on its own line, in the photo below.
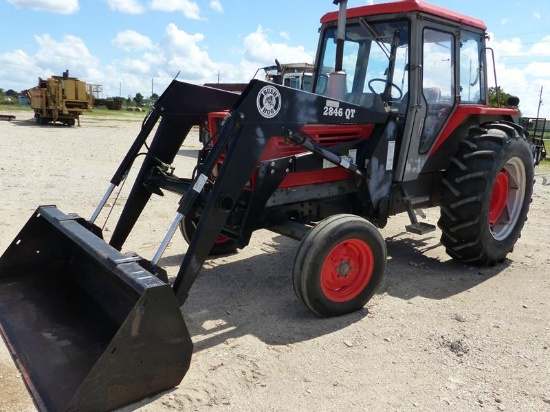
point(10, 97)
point(497, 97)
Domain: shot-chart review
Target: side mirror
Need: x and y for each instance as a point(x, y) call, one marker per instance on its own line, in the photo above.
point(513, 101)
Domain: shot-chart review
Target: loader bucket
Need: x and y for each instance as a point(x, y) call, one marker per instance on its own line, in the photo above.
point(88, 327)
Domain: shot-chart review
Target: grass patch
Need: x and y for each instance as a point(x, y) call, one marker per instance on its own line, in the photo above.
point(106, 114)
point(543, 166)
point(96, 113)
point(14, 108)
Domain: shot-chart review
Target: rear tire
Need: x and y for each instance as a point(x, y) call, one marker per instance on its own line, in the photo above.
point(338, 265)
point(485, 194)
point(222, 246)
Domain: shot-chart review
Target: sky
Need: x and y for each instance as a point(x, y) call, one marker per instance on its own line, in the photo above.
point(139, 46)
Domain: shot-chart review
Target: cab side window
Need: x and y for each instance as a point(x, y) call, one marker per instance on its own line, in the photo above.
point(438, 83)
point(471, 73)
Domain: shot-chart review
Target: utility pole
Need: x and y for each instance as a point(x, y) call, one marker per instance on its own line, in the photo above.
point(540, 101)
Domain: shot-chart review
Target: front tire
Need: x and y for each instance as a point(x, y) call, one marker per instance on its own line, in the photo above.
point(222, 246)
point(486, 194)
point(338, 265)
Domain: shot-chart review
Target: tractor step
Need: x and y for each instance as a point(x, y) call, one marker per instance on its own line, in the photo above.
point(420, 228)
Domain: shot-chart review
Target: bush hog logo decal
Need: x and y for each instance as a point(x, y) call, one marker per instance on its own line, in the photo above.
point(268, 101)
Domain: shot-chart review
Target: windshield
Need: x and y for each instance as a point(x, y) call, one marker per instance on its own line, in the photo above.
point(374, 62)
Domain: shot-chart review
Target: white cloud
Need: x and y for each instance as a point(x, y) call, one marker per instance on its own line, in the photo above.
point(52, 58)
point(71, 53)
point(541, 69)
point(183, 53)
point(16, 59)
point(145, 65)
point(21, 63)
point(521, 71)
point(284, 35)
point(216, 5)
point(189, 8)
point(130, 40)
point(126, 6)
point(260, 51)
point(53, 6)
point(537, 16)
point(178, 52)
point(505, 48)
point(542, 48)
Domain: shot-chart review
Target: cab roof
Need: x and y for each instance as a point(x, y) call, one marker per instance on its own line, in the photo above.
point(406, 6)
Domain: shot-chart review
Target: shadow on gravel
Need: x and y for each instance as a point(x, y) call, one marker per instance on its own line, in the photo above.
point(411, 272)
point(235, 297)
point(32, 123)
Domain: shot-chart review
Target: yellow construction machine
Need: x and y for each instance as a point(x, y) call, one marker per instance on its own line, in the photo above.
point(60, 99)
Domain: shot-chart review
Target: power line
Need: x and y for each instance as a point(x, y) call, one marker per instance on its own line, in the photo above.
point(513, 35)
point(526, 63)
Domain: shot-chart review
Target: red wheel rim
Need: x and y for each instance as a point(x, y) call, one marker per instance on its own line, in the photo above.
point(499, 198)
point(347, 270)
point(221, 239)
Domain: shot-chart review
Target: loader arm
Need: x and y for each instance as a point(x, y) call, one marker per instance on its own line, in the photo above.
point(263, 111)
point(180, 107)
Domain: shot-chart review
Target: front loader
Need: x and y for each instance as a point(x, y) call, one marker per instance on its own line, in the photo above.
point(397, 121)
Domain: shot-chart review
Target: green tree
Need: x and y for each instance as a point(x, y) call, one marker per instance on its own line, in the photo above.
point(499, 99)
point(138, 99)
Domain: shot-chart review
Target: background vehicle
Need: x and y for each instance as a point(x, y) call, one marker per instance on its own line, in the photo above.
point(397, 121)
point(60, 99)
point(295, 75)
point(536, 127)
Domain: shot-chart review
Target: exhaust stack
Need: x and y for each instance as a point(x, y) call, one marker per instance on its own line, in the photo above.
point(337, 79)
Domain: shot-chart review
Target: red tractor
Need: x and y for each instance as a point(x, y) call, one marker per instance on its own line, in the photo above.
point(397, 120)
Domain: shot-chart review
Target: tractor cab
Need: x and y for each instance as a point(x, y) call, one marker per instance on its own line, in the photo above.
point(411, 59)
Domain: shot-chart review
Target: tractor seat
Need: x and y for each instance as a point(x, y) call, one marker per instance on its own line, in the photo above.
point(432, 94)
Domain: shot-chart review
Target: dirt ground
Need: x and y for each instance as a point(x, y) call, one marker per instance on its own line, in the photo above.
point(438, 335)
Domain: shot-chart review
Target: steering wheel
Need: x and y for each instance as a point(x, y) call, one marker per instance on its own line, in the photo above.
point(384, 81)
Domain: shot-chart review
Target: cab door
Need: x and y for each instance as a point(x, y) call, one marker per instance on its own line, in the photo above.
point(433, 94)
